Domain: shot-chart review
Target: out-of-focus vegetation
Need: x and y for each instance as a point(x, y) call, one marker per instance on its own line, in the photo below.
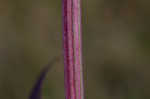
point(116, 48)
point(30, 36)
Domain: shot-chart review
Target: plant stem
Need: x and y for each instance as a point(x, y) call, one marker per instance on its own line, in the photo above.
point(72, 49)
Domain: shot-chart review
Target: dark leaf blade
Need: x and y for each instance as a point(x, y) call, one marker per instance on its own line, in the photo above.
point(37, 88)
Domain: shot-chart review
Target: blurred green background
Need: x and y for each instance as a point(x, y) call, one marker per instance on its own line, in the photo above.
point(116, 48)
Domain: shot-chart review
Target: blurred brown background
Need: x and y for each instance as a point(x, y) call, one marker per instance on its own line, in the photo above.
point(116, 48)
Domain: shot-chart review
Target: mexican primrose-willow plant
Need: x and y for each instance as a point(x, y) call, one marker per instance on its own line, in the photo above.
point(72, 54)
point(72, 49)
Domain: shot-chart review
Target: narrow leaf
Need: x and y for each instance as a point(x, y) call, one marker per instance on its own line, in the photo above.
point(37, 88)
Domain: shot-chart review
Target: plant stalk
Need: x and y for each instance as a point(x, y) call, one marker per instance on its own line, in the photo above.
point(72, 49)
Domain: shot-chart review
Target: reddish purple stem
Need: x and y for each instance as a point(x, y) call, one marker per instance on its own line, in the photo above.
point(72, 49)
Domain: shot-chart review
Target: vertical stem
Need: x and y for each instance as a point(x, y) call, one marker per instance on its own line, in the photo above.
point(72, 49)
